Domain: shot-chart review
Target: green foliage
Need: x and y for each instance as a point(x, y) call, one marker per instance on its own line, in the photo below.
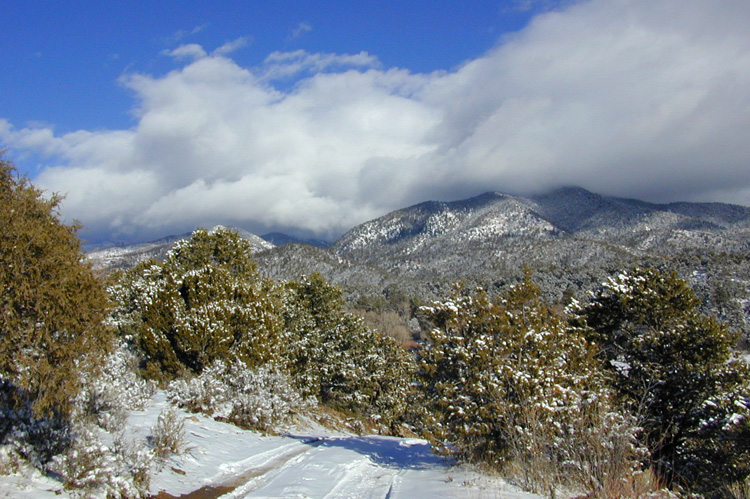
point(205, 302)
point(674, 369)
point(337, 359)
point(222, 248)
point(52, 305)
point(508, 380)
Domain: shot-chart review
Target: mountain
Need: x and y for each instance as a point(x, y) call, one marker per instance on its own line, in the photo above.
point(280, 239)
point(573, 239)
point(126, 256)
point(646, 226)
point(292, 261)
point(570, 226)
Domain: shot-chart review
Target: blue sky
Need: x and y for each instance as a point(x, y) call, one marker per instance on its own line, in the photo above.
point(66, 57)
point(310, 117)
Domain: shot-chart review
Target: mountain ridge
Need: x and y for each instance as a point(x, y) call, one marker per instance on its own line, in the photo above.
point(496, 220)
point(573, 239)
point(500, 222)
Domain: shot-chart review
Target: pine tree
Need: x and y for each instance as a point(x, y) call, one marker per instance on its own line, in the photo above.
point(675, 369)
point(51, 307)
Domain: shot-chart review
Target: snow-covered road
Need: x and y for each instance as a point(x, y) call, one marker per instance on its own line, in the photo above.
point(222, 460)
point(225, 461)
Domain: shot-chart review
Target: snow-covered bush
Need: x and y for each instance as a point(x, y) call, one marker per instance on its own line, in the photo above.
point(168, 434)
point(86, 458)
point(205, 302)
point(597, 452)
point(26, 435)
point(262, 398)
point(91, 466)
point(336, 358)
point(509, 381)
point(10, 460)
point(106, 397)
point(676, 372)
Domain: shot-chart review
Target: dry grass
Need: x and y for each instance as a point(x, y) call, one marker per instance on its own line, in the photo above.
point(388, 323)
point(168, 434)
point(739, 490)
point(596, 458)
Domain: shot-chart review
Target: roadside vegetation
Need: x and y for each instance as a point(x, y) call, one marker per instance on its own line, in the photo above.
point(634, 393)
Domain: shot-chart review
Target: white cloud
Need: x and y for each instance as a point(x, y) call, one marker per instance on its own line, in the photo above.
point(182, 34)
point(633, 98)
point(187, 51)
point(232, 46)
point(280, 65)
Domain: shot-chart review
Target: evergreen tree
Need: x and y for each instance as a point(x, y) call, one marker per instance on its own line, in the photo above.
point(51, 306)
point(337, 359)
point(675, 370)
point(510, 380)
point(204, 303)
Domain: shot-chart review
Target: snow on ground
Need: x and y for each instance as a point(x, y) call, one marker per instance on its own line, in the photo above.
point(224, 461)
point(29, 484)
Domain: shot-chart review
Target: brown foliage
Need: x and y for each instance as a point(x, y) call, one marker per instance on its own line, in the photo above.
point(52, 305)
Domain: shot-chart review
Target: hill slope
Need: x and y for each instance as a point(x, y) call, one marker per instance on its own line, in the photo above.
point(572, 238)
point(570, 226)
point(126, 256)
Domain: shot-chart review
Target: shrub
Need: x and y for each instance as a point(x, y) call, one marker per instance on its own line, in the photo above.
point(675, 370)
point(509, 381)
point(262, 398)
point(335, 358)
point(89, 466)
point(35, 438)
point(205, 302)
point(168, 434)
point(106, 398)
point(52, 304)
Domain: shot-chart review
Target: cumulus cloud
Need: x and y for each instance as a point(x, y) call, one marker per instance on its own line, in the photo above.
point(632, 98)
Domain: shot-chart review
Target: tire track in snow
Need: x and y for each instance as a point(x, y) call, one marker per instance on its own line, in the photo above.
point(247, 471)
point(349, 467)
point(364, 480)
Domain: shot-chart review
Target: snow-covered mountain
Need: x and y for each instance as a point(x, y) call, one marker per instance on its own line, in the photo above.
point(126, 256)
point(569, 226)
point(646, 226)
point(574, 239)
